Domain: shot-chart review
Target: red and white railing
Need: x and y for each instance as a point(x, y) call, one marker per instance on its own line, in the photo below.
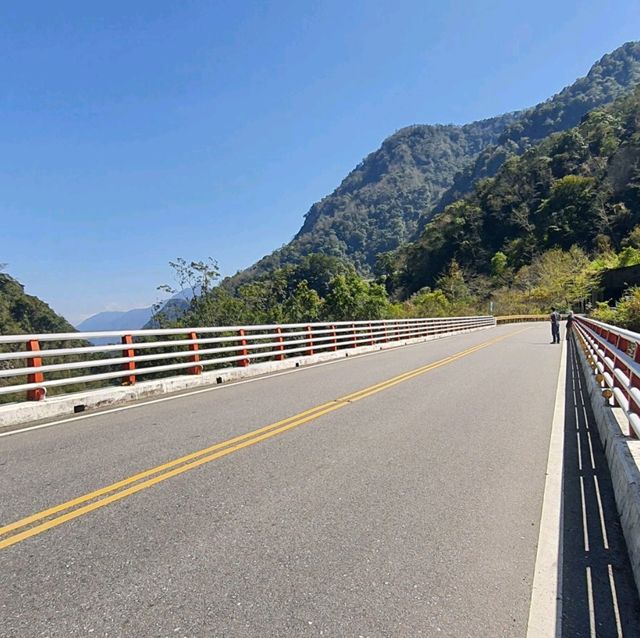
point(614, 355)
point(24, 367)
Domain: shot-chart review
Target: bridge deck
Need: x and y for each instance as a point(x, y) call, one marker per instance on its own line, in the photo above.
point(409, 508)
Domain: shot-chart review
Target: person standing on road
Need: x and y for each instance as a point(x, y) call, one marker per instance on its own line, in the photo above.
point(569, 324)
point(555, 326)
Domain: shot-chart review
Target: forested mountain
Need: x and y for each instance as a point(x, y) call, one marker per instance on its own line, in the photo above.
point(579, 187)
point(607, 79)
point(377, 207)
point(25, 314)
point(386, 200)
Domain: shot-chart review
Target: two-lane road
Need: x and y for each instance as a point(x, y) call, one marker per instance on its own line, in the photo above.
point(392, 494)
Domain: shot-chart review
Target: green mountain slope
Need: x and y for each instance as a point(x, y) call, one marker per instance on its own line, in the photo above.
point(378, 205)
point(608, 79)
point(25, 314)
point(580, 187)
point(387, 199)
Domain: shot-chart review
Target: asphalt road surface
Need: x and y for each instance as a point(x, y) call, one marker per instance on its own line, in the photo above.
point(392, 494)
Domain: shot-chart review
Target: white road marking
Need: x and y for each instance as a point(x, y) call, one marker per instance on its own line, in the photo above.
point(614, 598)
point(593, 461)
point(605, 538)
point(579, 451)
point(585, 531)
point(545, 611)
point(592, 611)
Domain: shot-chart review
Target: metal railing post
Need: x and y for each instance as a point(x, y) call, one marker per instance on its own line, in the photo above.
point(280, 357)
point(129, 365)
point(244, 352)
point(309, 341)
point(36, 394)
point(193, 347)
point(334, 339)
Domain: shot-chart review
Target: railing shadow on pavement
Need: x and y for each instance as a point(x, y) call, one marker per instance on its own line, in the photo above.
point(599, 595)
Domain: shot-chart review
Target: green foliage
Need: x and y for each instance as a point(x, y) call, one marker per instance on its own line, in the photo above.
point(562, 193)
point(498, 265)
point(604, 312)
point(453, 284)
point(629, 256)
point(626, 313)
point(387, 199)
point(430, 303)
point(304, 304)
point(319, 288)
point(25, 314)
point(608, 79)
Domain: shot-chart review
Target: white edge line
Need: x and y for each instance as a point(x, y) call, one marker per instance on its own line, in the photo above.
point(546, 595)
point(139, 404)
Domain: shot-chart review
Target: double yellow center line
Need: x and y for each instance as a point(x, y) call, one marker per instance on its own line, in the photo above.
point(52, 517)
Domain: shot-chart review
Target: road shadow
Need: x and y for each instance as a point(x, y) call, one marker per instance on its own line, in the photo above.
point(599, 596)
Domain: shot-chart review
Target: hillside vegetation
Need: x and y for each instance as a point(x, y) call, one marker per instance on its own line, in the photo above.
point(21, 313)
point(580, 187)
point(390, 196)
point(608, 79)
point(377, 207)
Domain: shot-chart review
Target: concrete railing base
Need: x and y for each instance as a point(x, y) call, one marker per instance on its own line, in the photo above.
point(67, 405)
point(623, 457)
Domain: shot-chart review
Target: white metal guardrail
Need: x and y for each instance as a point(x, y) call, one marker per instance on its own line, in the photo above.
point(614, 356)
point(145, 353)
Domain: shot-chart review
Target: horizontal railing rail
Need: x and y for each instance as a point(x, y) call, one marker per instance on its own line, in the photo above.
point(33, 363)
point(520, 318)
point(614, 357)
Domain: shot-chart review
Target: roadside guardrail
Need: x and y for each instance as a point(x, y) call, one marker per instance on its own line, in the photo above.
point(614, 357)
point(33, 363)
point(520, 318)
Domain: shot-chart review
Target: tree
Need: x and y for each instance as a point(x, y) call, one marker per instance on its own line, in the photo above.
point(560, 278)
point(353, 298)
point(304, 305)
point(453, 284)
point(572, 213)
point(195, 281)
point(498, 264)
point(429, 303)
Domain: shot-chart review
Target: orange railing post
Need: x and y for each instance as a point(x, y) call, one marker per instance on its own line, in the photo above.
point(243, 342)
point(129, 365)
point(193, 347)
point(334, 339)
point(280, 357)
point(310, 340)
point(36, 394)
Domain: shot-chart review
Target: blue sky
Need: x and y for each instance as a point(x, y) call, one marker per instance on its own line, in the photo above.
point(136, 132)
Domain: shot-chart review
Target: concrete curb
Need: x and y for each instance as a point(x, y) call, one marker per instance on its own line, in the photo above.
point(622, 457)
point(66, 405)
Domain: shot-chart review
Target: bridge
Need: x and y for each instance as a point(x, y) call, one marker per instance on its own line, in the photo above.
point(431, 477)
